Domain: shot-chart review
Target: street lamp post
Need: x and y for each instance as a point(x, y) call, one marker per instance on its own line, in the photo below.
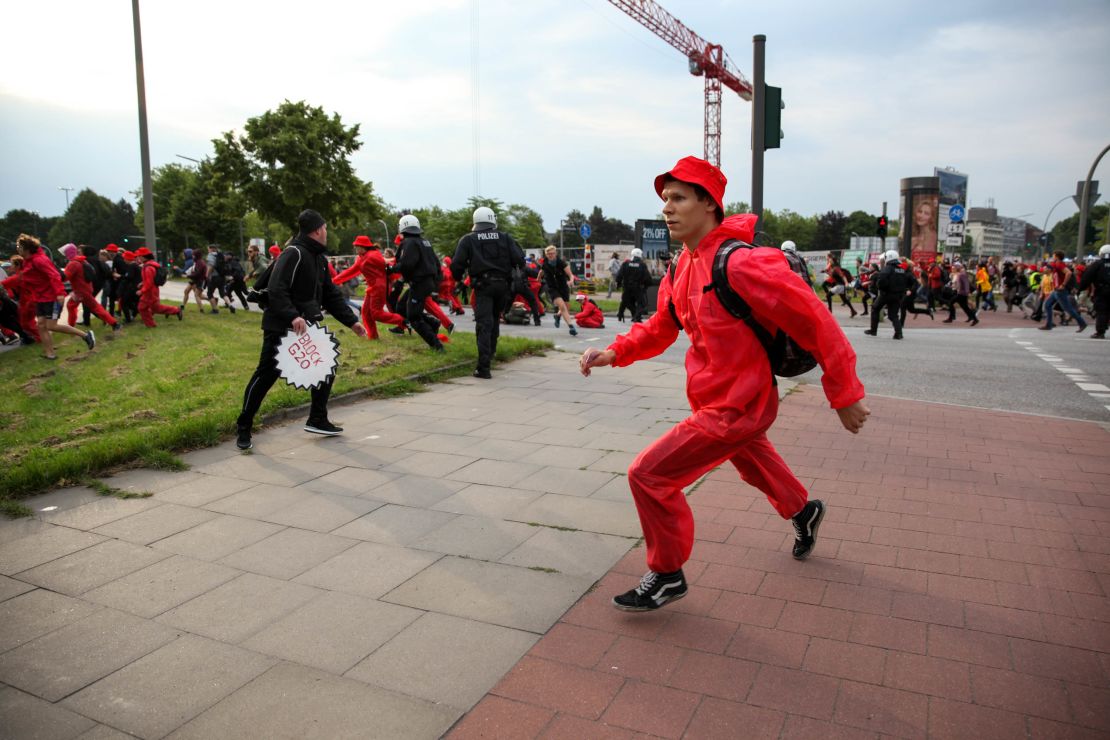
point(386, 231)
point(62, 187)
point(144, 140)
point(1050, 210)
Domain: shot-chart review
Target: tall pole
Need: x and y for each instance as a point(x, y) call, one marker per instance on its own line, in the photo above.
point(1086, 203)
point(62, 187)
point(759, 103)
point(386, 231)
point(144, 144)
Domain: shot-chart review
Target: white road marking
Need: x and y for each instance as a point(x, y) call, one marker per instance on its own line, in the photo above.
point(1074, 374)
point(1092, 387)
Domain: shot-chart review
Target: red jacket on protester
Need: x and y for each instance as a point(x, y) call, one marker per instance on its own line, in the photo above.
point(727, 370)
point(371, 266)
point(41, 281)
point(75, 274)
point(590, 317)
point(149, 290)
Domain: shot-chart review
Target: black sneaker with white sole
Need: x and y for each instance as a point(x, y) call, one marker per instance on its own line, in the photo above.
point(805, 524)
point(90, 339)
point(322, 426)
point(654, 591)
point(243, 438)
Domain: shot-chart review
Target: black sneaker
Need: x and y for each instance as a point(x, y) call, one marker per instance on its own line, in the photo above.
point(484, 374)
point(231, 308)
point(90, 339)
point(573, 331)
point(654, 591)
point(872, 333)
point(557, 318)
point(324, 427)
point(806, 523)
point(243, 438)
point(181, 313)
point(450, 329)
point(398, 329)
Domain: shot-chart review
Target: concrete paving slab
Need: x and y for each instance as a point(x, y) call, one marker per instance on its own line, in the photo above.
point(103, 732)
point(586, 514)
point(97, 513)
point(10, 588)
point(333, 632)
point(164, 585)
point(154, 524)
point(555, 436)
point(203, 490)
point(166, 688)
point(273, 470)
point(368, 569)
point(614, 462)
point(61, 499)
point(197, 459)
point(451, 443)
point(394, 525)
point(145, 480)
point(44, 545)
point(36, 613)
point(323, 512)
point(350, 481)
point(568, 482)
point(23, 716)
point(488, 501)
point(490, 592)
point(15, 529)
point(86, 569)
point(630, 443)
point(432, 464)
point(571, 458)
point(296, 702)
point(494, 472)
point(258, 500)
point(217, 538)
point(445, 659)
point(615, 490)
point(475, 537)
point(239, 608)
point(59, 663)
point(495, 430)
point(582, 554)
point(415, 490)
point(378, 435)
point(367, 456)
point(288, 553)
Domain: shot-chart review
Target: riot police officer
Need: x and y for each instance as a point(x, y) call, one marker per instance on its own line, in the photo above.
point(892, 281)
point(489, 256)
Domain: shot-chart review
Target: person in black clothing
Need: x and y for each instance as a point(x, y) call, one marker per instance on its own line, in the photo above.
point(558, 278)
point(489, 256)
point(299, 290)
point(217, 279)
point(119, 266)
point(236, 280)
point(892, 281)
point(131, 277)
point(909, 300)
point(633, 278)
point(1098, 275)
point(419, 267)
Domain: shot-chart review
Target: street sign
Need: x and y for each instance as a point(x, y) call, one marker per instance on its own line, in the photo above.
point(1092, 196)
point(584, 231)
point(956, 213)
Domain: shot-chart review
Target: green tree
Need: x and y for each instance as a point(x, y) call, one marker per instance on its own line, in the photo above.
point(526, 226)
point(94, 220)
point(830, 233)
point(21, 221)
point(862, 223)
point(608, 230)
point(293, 158)
point(1064, 232)
point(737, 206)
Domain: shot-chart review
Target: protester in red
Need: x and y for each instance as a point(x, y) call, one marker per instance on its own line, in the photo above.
point(82, 290)
point(590, 317)
point(447, 289)
point(149, 295)
point(732, 392)
point(14, 285)
point(42, 287)
point(371, 265)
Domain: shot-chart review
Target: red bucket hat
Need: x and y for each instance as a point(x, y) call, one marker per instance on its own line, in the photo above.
point(128, 254)
point(275, 250)
point(698, 172)
point(143, 252)
point(364, 241)
point(111, 248)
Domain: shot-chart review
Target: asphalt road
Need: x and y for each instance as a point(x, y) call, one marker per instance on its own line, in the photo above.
point(1057, 373)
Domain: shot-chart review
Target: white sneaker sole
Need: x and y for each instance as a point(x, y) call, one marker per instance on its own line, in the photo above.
point(314, 430)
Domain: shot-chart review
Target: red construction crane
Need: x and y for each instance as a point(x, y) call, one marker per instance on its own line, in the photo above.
point(706, 59)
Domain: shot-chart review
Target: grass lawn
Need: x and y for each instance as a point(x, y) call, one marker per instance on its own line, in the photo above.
point(147, 393)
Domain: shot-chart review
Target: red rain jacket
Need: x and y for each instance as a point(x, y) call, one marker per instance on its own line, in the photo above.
point(75, 273)
point(726, 367)
point(371, 266)
point(590, 316)
point(41, 282)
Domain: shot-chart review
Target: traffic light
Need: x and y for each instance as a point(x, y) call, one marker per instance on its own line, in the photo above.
point(881, 225)
point(772, 116)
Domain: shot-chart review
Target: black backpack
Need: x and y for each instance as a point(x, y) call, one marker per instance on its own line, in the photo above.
point(798, 265)
point(91, 274)
point(160, 275)
point(787, 357)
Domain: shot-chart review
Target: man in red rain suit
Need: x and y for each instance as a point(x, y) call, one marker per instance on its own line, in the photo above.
point(371, 265)
point(82, 290)
point(730, 386)
point(148, 294)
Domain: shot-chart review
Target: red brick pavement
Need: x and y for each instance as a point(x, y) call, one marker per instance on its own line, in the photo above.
point(958, 590)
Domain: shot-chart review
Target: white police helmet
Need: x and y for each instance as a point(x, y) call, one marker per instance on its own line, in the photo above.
point(409, 224)
point(789, 246)
point(485, 215)
point(891, 254)
point(1104, 251)
point(637, 253)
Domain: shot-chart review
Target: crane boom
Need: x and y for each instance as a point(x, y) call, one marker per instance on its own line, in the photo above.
point(705, 59)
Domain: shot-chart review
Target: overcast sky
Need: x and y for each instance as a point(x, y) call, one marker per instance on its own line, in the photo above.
point(579, 105)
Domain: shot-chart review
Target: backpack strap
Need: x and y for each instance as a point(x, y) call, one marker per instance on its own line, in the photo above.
point(670, 301)
point(737, 306)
